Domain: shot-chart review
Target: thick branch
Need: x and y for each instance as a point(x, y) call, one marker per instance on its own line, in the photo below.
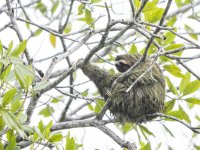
point(100, 124)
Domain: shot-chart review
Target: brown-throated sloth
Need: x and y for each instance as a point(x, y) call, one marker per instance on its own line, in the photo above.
point(146, 97)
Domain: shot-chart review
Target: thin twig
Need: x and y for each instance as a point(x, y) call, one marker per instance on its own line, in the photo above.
point(182, 9)
point(188, 69)
point(132, 8)
point(16, 29)
point(69, 14)
point(144, 2)
point(194, 129)
point(188, 40)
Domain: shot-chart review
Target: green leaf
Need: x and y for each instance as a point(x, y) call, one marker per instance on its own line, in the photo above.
point(15, 106)
point(68, 28)
point(191, 87)
point(99, 105)
point(185, 115)
point(10, 46)
point(27, 25)
point(88, 17)
point(164, 59)
point(168, 131)
point(137, 4)
point(41, 126)
point(19, 49)
point(6, 72)
point(46, 132)
point(90, 107)
point(127, 127)
point(151, 5)
point(143, 128)
point(181, 114)
point(193, 100)
point(35, 136)
point(39, 133)
point(12, 122)
point(47, 112)
point(173, 46)
point(184, 82)
point(12, 144)
point(5, 62)
point(171, 21)
point(55, 99)
point(169, 38)
point(169, 106)
point(85, 93)
point(41, 7)
point(38, 32)
point(189, 29)
point(80, 9)
point(181, 3)
point(22, 118)
point(10, 77)
point(174, 70)
point(171, 86)
point(152, 49)
point(8, 97)
point(146, 147)
point(153, 15)
point(2, 124)
point(16, 60)
point(175, 113)
point(52, 39)
point(133, 49)
point(54, 6)
point(1, 49)
point(9, 135)
point(24, 75)
point(1, 145)
point(95, 1)
point(18, 96)
point(70, 142)
point(56, 137)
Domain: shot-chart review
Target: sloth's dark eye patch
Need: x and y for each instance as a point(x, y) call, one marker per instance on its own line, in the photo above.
point(121, 66)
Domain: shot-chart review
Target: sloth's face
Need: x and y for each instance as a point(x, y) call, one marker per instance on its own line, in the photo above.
point(121, 64)
point(124, 62)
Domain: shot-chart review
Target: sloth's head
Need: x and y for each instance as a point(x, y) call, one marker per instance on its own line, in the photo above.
point(124, 62)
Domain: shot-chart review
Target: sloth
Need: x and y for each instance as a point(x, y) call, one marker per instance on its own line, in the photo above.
point(147, 96)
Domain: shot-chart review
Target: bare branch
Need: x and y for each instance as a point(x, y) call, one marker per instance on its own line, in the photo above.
point(186, 39)
point(122, 143)
point(16, 28)
point(68, 15)
point(194, 129)
point(100, 124)
point(182, 9)
point(132, 8)
point(5, 26)
point(144, 2)
point(82, 117)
